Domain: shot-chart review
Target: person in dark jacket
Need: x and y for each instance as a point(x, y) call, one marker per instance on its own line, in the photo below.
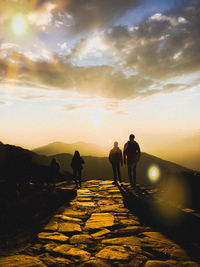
point(115, 158)
point(77, 167)
point(131, 157)
point(54, 168)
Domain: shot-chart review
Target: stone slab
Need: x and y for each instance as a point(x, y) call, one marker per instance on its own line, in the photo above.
point(99, 220)
point(21, 260)
point(51, 226)
point(113, 253)
point(74, 254)
point(127, 240)
point(101, 233)
point(76, 239)
point(69, 227)
point(55, 236)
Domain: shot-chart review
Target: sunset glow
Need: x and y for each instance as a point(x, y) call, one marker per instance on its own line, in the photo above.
point(122, 70)
point(96, 117)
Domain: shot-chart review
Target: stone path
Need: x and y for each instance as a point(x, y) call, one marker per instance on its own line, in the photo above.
point(97, 230)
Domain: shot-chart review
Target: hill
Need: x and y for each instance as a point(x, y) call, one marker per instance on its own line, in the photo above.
point(59, 147)
point(185, 152)
point(19, 166)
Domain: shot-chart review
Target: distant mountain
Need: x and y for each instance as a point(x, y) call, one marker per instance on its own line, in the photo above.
point(185, 152)
point(15, 162)
point(85, 149)
point(100, 167)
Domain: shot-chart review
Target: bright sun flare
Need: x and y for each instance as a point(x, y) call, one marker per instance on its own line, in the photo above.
point(19, 24)
point(153, 173)
point(96, 117)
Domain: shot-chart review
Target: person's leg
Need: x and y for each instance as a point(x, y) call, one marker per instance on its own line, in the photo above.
point(130, 174)
point(134, 175)
point(114, 172)
point(79, 176)
point(75, 177)
point(131, 177)
point(118, 172)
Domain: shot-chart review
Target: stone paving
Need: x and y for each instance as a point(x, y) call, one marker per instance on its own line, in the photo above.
point(97, 230)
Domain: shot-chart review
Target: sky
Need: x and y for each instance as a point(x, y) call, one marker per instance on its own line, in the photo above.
point(98, 70)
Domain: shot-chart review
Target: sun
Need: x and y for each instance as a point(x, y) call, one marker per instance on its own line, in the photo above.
point(154, 173)
point(19, 24)
point(96, 117)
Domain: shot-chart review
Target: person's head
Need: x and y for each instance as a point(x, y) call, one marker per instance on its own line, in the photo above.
point(115, 144)
point(131, 137)
point(76, 154)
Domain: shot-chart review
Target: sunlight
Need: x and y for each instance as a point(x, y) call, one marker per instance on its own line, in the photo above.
point(19, 24)
point(153, 173)
point(96, 117)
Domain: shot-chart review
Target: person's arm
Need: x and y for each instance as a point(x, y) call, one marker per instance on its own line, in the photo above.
point(121, 158)
point(139, 151)
point(82, 161)
point(72, 163)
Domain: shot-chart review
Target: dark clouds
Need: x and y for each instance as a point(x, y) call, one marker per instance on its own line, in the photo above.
point(166, 45)
point(90, 15)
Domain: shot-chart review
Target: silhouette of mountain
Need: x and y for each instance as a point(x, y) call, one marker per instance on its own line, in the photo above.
point(100, 167)
point(19, 166)
point(59, 147)
point(15, 160)
point(185, 152)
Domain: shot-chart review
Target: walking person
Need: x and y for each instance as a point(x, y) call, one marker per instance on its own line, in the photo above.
point(131, 157)
point(54, 169)
point(115, 158)
point(77, 167)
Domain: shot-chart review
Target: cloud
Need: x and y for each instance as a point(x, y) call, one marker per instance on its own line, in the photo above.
point(43, 16)
point(172, 20)
point(79, 16)
point(62, 45)
point(60, 74)
point(164, 46)
point(143, 58)
point(70, 107)
point(89, 15)
point(87, 47)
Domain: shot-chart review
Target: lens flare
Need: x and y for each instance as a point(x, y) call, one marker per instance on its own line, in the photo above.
point(172, 196)
point(154, 173)
point(19, 24)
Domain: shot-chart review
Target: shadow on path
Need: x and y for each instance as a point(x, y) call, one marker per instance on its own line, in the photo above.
point(21, 222)
point(185, 231)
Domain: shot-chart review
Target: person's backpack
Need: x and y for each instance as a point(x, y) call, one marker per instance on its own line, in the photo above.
point(132, 149)
point(116, 155)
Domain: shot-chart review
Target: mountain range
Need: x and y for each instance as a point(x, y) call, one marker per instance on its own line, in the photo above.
point(100, 167)
point(94, 167)
point(85, 149)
